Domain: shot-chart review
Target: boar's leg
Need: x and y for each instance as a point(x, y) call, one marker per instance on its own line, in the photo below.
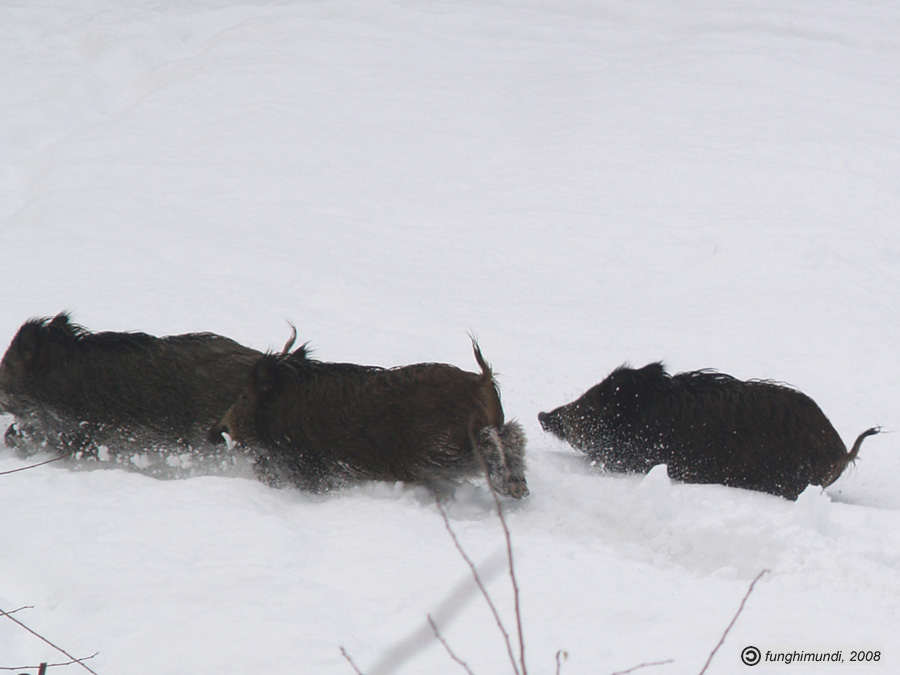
point(28, 437)
point(291, 467)
point(503, 452)
point(17, 437)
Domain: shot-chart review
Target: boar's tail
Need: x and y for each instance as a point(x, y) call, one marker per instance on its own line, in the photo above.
point(486, 373)
point(854, 451)
point(850, 457)
point(291, 340)
point(489, 391)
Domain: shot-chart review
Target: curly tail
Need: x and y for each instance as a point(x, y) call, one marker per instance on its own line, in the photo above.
point(854, 451)
point(850, 457)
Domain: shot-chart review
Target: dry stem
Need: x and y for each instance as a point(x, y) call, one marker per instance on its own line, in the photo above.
point(49, 665)
point(643, 665)
point(480, 585)
point(32, 466)
point(350, 661)
point(737, 614)
point(42, 638)
point(453, 656)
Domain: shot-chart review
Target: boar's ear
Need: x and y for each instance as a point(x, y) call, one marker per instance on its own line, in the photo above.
point(650, 378)
point(61, 320)
point(655, 370)
point(265, 375)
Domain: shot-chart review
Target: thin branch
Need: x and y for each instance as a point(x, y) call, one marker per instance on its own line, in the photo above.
point(440, 638)
point(561, 655)
point(509, 552)
point(737, 614)
point(644, 665)
point(512, 573)
point(42, 638)
point(51, 665)
point(350, 661)
point(32, 466)
point(480, 585)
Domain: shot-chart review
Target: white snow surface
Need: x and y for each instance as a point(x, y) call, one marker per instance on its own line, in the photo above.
point(580, 183)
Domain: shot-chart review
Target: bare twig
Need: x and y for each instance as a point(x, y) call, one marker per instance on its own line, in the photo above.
point(350, 661)
point(480, 585)
point(561, 656)
point(737, 614)
point(42, 638)
point(441, 639)
point(643, 665)
point(512, 573)
point(32, 466)
point(509, 553)
point(50, 665)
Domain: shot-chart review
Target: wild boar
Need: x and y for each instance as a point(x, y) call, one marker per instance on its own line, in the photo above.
point(74, 391)
point(707, 427)
point(320, 425)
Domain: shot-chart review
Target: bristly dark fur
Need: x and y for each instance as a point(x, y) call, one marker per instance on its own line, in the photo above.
point(708, 427)
point(75, 389)
point(316, 424)
point(62, 329)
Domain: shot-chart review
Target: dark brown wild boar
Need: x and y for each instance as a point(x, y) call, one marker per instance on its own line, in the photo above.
point(75, 391)
point(707, 427)
point(320, 425)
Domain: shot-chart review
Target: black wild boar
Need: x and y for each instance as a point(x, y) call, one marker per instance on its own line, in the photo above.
point(707, 427)
point(321, 425)
point(74, 391)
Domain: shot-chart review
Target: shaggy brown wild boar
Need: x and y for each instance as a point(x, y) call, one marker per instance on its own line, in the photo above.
point(320, 425)
point(707, 427)
point(75, 390)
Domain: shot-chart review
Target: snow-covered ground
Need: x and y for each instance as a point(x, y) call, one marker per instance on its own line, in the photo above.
point(578, 182)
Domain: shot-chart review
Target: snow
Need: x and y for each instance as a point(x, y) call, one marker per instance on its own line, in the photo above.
point(580, 184)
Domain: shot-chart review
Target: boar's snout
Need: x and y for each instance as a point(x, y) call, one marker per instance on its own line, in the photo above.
point(552, 423)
